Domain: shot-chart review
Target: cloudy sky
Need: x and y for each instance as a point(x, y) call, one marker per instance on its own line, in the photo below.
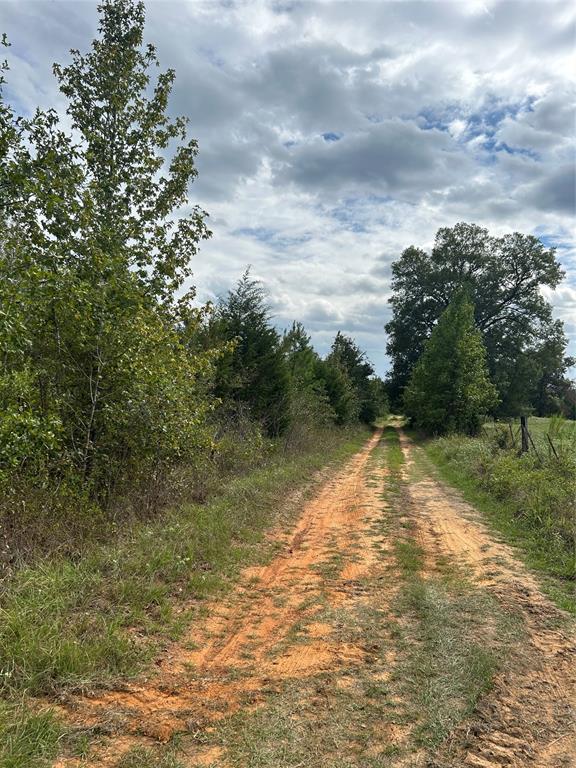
point(334, 134)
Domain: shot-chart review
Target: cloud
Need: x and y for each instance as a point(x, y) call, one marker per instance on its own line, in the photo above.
point(394, 157)
point(334, 134)
point(556, 192)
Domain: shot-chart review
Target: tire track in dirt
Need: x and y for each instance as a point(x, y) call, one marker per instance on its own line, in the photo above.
point(264, 633)
point(529, 717)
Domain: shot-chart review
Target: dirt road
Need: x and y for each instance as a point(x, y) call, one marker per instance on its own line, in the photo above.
point(391, 629)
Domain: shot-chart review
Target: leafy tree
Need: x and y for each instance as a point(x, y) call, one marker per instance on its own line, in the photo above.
point(553, 365)
point(254, 371)
point(503, 277)
point(93, 254)
point(450, 389)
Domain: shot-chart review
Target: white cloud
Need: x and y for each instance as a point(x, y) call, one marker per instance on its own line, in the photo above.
point(334, 134)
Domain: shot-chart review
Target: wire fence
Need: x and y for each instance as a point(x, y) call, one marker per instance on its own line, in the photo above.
point(554, 441)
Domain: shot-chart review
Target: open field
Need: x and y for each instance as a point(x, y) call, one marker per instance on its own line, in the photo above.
point(561, 432)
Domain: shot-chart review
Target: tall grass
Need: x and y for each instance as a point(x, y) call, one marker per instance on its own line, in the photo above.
point(531, 498)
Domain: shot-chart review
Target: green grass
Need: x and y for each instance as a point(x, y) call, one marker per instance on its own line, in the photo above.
point(531, 505)
point(561, 432)
point(394, 455)
point(70, 624)
point(455, 639)
point(452, 636)
point(27, 739)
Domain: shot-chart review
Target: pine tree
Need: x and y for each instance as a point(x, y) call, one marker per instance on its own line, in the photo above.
point(254, 372)
point(450, 389)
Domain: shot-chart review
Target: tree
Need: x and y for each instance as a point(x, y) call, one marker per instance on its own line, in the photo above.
point(378, 397)
point(449, 389)
point(96, 247)
point(254, 370)
point(309, 403)
point(340, 390)
point(346, 353)
point(503, 277)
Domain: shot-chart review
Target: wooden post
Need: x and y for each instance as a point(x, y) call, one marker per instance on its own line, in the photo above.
point(524, 431)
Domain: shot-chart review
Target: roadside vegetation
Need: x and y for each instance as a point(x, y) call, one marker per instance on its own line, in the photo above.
point(530, 498)
point(147, 441)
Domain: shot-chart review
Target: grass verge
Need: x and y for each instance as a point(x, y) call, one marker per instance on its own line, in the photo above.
point(518, 497)
point(80, 624)
point(453, 637)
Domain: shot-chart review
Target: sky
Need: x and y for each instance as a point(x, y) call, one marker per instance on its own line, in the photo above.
point(333, 135)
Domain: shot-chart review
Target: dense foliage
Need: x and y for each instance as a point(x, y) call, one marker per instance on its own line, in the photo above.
point(112, 379)
point(503, 277)
point(450, 390)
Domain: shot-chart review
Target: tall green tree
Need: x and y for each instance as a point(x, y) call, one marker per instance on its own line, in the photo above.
point(503, 277)
point(98, 242)
point(254, 371)
point(348, 355)
point(450, 389)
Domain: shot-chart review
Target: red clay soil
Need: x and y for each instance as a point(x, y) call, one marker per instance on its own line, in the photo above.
point(245, 648)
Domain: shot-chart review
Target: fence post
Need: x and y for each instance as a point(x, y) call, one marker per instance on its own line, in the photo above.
point(524, 431)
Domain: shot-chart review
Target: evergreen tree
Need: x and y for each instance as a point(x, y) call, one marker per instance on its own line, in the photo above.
point(309, 401)
point(346, 353)
point(254, 371)
point(450, 389)
point(340, 390)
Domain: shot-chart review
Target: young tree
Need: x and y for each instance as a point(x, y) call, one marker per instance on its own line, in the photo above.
point(346, 353)
point(254, 371)
point(503, 277)
point(309, 403)
point(97, 246)
point(450, 389)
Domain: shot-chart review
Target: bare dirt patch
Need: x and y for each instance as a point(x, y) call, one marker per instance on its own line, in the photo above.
point(265, 632)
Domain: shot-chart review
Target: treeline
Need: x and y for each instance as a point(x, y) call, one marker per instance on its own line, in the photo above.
point(116, 390)
point(472, 335)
